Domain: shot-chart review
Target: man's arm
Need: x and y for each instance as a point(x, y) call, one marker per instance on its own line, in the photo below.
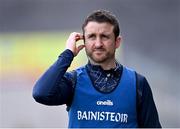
point(147, 112)
point(54, 87)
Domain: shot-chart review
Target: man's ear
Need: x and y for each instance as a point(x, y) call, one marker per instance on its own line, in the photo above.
point(118, 41)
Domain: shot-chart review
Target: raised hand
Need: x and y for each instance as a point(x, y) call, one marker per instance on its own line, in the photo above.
point(71, 43)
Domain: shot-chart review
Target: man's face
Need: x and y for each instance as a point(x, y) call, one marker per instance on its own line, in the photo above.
point(100, 42)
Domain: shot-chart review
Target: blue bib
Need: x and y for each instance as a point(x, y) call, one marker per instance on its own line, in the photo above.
point(93, 109)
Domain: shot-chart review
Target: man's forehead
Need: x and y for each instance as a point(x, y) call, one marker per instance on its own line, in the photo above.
point(95, 27)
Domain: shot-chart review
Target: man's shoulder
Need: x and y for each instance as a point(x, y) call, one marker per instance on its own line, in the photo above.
point(80, 69)
point(141, 81)
point(142, 85)
point(140, 77)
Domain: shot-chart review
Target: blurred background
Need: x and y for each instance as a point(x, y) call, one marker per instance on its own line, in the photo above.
point(33, 33)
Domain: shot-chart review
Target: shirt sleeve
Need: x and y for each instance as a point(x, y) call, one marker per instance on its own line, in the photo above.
point(55, 86)
point(147, 114)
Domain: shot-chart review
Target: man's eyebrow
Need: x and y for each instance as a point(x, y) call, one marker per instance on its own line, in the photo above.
point(89, 34)
point(106, 34)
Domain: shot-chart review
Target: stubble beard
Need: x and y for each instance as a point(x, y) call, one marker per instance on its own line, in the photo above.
point(100, 58)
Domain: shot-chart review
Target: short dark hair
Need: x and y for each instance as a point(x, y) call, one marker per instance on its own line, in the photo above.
point(101, 16)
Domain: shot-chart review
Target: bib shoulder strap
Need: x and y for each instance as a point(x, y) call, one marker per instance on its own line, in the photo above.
point(74, 80)
point(138, 96)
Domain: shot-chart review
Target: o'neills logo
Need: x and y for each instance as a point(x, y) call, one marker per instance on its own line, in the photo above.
point(106, 102)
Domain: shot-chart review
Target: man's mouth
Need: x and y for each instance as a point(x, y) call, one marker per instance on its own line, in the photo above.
point(99, 50)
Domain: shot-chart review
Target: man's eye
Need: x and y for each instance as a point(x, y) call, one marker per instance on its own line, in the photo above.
point(105, 37)
point(91, 37)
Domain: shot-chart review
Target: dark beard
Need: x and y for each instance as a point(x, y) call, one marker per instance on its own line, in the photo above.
point(103, 59)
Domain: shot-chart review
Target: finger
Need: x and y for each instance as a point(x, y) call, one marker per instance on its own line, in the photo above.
point(81, 36)
point(77, 38)
point(76, 35)
point(80, 47)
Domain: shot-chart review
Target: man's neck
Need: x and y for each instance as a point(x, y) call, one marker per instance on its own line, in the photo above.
point(105, 65)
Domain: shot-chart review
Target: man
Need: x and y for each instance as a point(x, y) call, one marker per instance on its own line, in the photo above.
point(103, 93)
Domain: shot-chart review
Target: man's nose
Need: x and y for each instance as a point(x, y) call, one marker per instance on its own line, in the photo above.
point(98, 43)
